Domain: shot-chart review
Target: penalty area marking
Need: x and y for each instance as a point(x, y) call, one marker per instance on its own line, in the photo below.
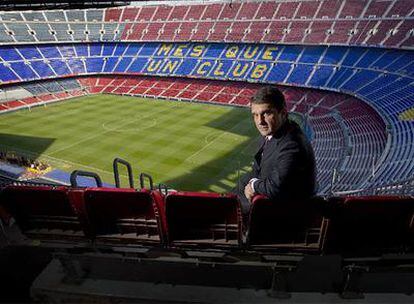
point(90, 137)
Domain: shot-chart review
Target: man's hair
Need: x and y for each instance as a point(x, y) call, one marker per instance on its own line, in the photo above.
point(269, 95)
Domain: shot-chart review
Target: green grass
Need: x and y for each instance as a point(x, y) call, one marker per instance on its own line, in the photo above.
point(189, 146)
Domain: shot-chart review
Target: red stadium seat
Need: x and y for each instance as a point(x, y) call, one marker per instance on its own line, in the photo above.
point(203, 220)
point(287, 226)
point(371, 225)
point(124, 216)
point(44, 212)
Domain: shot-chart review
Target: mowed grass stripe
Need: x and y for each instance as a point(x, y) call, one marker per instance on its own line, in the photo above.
point(190, 146)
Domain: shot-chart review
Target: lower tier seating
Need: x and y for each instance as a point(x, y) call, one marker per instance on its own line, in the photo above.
point(349, 137)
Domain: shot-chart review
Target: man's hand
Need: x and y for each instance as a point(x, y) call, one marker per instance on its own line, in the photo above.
point(248, 192)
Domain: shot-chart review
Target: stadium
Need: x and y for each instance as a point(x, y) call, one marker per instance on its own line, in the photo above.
point(125, 125)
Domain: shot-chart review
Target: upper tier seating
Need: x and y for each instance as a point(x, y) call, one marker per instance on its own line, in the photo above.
point(371, 22)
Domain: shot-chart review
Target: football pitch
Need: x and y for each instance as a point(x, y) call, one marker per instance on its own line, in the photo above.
point(188, 146)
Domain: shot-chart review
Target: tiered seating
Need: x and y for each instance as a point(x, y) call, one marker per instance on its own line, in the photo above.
point(42, 32)
point(299, 71)
point(136, 218)
point(371, 225)
point(312, 66)
point(376, 8)
point(126, 218)
point(202, 219)
point(381, 76)
point(342, 141)
point(20, 32)
point(367, 142)
point(329, 143)
point(112, 14)
point(347, 244)
point(44, 212)
point(46, 91)
point(94, 15)
point(282, 227)
point(55, 15)
point(241, 22)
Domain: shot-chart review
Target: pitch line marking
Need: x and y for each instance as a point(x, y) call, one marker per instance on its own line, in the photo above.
point(88, 137)
point(99, 134)
point(133, 129)
point(216, 138)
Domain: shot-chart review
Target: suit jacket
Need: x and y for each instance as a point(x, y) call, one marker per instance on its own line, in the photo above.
point(285, 166)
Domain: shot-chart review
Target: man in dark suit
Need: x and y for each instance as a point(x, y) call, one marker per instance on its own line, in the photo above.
point(284, 165)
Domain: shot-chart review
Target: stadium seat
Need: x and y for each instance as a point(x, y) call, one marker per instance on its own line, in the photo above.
point(371, 225)
point(287, 226)
point(200, 220)
point(44, 213)
point(123, 216)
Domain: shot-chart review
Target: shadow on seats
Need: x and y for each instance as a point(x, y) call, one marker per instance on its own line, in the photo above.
point(44, 212)
point(123, 216)
point(287, 226)
point(371, 225)
point(203, 220)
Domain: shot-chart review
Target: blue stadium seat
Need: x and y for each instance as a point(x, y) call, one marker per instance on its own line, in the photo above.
point(42, 69)
point(60, 67)
point(321, 76)
point(49, 52)
point(77, 66)
point(311, 54)
point(123, 64)
point(300, 74)
point(9, 54)
point(23, 70)
point(30, 52)
point(95, 49)
point(279, 72)
point(6, 74)
point(94, 65)
point(110, 64)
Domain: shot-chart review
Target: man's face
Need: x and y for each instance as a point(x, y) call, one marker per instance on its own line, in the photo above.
point(267, 119)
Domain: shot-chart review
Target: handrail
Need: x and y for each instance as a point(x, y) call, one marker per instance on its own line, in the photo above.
point(116, 172)
point(142, 177)
point(76, 173)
